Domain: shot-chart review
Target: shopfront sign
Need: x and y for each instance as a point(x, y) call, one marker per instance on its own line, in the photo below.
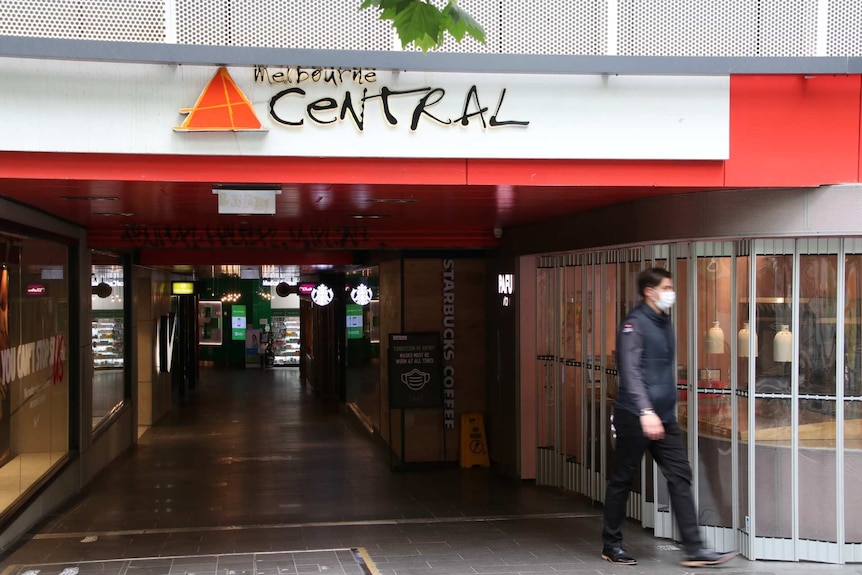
point(238, 322)
point(322, 295)
point(166, 338)
point(353, 315)
point(36, 289)
point(19, 361)
point(505, 288)
point(182, 288)
point(221, 107)
point(449, 343)
point(361, 295)
point(361, 113)
point(415, 374)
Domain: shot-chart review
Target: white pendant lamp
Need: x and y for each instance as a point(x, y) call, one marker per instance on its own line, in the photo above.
point(715, 335)
point(715, 339)
point(742, 339)
point(782, 345)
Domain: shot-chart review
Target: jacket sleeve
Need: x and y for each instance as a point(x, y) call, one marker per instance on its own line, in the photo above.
point(631, 349)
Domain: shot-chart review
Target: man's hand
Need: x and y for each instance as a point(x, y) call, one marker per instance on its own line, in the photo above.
point(652, 426)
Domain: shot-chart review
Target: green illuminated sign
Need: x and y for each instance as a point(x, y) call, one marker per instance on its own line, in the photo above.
point(354, 321)
point(238, 322)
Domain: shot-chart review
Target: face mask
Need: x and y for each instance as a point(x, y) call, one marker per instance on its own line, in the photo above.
point(666, 299)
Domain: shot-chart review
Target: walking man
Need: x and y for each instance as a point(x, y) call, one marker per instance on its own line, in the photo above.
point(645, 419)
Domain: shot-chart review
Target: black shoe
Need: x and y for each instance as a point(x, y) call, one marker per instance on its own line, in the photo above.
point(618, 555)
point(706, 557)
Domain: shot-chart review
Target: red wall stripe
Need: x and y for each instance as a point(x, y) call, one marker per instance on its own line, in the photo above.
point(859, 142)
point(595, 173)
point(793, 131)
point(232, 169)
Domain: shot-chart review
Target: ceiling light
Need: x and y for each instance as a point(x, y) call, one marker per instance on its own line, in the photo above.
point(91, 198)
point(249, 272)
point(246, 200)
point(368, 216)
point(120, 214)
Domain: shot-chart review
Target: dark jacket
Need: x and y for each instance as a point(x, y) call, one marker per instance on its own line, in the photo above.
point(645, 360)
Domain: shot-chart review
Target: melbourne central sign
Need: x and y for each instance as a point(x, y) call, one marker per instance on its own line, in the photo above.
point(292, 106)
point(360, 112)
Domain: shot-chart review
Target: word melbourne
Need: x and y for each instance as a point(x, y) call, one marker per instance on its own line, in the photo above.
point(292, 106)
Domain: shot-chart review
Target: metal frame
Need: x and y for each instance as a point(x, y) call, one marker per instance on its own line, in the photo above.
point(840, 382)
point(241, 56)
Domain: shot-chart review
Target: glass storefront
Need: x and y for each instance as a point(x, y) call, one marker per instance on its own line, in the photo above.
point(34, 368)
point(108, 336)
point(775, 441)
point(362, 325)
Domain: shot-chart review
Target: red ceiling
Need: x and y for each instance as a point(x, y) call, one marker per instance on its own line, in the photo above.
point(166, 208)
point(412, 215)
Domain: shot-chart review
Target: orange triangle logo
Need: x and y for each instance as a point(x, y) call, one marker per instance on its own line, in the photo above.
point(221, 107)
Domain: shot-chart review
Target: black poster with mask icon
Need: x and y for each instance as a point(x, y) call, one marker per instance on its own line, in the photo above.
point(415, 370)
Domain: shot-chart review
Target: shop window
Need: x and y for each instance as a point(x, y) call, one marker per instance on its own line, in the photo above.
point(34, 362)
point(816, 367)
point(772, 387)
point(362, 325)
point(853, 396)
point(108, 331)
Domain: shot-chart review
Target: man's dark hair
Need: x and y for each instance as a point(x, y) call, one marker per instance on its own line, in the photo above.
point(650, 278)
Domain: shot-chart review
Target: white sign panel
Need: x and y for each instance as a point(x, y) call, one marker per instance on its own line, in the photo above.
point(153, 109)
point(246, 202)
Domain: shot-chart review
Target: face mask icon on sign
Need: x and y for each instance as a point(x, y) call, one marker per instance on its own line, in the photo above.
point(415, 379)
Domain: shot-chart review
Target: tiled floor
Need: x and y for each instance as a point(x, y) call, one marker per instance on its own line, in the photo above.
point(255, 470)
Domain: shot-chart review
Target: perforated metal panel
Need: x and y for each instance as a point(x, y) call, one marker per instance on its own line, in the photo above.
point(119, 20)
point(313, 24)
point(204, 22)
point(554, 27)
point(845, 28)
point(687, 28)
point(787, 28)
point(578, 27)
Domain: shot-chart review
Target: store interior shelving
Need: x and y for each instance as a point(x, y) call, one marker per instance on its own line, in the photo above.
point(286, 340)
point(107, 342)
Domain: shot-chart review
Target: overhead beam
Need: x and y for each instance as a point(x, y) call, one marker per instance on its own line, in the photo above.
point(184, 54)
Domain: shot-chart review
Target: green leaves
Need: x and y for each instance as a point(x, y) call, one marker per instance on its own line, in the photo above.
point(423, 24)
point(461, 23)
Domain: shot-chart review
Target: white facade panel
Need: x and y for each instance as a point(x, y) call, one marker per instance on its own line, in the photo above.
point(133, 108)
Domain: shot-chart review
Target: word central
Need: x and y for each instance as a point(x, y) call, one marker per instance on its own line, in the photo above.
point(283, 108)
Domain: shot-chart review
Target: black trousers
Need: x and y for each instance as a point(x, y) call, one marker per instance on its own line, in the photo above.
point(670, 455)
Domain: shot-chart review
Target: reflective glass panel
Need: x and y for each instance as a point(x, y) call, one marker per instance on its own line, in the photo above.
point(545, 349)
point(107, 303)
point(34, 369)
point(853, 399)
point(715, 481)
point(772, 433)
point(818, 318)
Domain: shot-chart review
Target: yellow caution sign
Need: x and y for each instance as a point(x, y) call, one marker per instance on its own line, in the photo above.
point(474, 448)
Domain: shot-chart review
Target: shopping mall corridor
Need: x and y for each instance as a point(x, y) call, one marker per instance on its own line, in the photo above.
point(255, 476)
